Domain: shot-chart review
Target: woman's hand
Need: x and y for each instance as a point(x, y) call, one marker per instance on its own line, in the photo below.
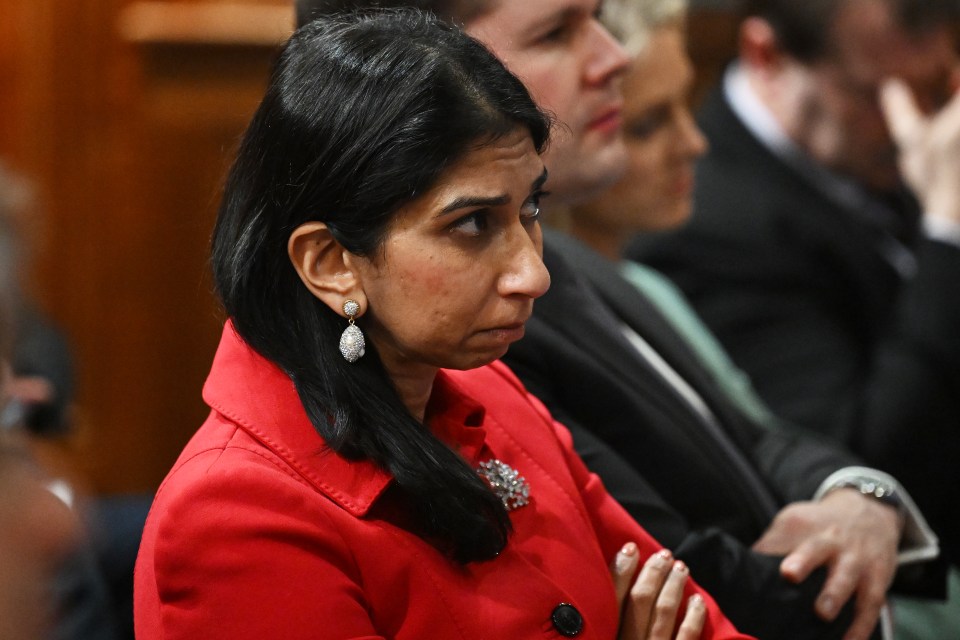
point(650, 606)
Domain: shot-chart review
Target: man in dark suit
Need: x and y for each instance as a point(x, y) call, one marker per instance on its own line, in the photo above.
point(709, 488)
point(806, 253)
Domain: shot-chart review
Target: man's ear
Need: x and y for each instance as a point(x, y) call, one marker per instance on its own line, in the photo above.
point(758, 45)
point(324, 266)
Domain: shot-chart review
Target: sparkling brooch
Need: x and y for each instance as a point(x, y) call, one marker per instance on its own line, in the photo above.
point(512, 488)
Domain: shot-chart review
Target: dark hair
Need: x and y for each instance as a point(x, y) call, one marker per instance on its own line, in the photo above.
point(456, 11)
point(803, 27)
point(362, 114)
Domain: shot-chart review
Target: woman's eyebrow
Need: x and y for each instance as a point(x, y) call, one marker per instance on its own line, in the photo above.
point(540, 180)
point(464, 202)
point(475, 201)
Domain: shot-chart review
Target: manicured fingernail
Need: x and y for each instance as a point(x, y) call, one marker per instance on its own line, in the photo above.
point(696, 600)
point(624, 562)
point(679, 566)
point(662, 558)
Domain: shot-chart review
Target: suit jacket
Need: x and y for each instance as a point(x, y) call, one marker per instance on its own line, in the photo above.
point(708, 491)
point(800, 292)
point(259, 531)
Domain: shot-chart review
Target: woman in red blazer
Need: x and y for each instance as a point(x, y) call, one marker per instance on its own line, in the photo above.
point(365, 471)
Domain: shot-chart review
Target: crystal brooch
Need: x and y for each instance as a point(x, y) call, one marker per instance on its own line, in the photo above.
point(512, 488)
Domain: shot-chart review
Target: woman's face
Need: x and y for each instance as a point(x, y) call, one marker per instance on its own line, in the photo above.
point(663, 142)
point(461, 265)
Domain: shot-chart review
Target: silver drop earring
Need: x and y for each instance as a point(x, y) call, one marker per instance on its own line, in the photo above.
point(352, 344)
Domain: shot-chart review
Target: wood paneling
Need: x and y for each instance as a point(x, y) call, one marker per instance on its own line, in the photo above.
point(711, 42)
point(126, 135)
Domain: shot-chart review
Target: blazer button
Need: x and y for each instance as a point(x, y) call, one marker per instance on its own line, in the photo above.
point(567, 620)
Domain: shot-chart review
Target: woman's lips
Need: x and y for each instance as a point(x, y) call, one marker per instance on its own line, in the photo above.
point(507, 333)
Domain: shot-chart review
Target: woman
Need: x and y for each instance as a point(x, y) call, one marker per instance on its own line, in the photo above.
point(379, 227)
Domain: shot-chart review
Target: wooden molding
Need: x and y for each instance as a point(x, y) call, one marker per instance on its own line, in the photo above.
point(206, 23)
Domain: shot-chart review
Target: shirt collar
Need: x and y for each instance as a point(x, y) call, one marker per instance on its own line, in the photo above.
point(843, 191)
point(260, 398)
point(760, 121)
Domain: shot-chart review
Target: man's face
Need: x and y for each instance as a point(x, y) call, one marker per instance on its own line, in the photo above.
point(831, 106)
point(571, 65)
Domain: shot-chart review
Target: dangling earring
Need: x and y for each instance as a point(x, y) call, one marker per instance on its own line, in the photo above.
point(352, 343)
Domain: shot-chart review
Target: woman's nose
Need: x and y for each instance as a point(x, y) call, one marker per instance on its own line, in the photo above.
point(527, 276)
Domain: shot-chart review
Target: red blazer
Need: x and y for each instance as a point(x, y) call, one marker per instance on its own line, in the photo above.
point(259, 531)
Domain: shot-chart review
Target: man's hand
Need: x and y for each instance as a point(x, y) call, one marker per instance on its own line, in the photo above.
point(929, 147)
point(854, 536)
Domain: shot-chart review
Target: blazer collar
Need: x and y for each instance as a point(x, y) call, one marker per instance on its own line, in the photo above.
point(261, 399)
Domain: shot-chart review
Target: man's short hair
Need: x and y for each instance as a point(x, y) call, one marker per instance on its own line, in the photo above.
point(457, 11)
point(802, 27)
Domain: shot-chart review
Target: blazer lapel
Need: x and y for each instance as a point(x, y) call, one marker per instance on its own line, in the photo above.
point(573, 309)
point(633, 309)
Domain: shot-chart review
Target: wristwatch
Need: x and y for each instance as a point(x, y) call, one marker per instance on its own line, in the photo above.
point(872, 488)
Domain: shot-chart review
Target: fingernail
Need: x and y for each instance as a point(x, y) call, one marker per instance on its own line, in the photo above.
point(624, 561)
point(696, 600)
point(662, 558)
point(679, 566)
point(827, 606)
point(791, 566)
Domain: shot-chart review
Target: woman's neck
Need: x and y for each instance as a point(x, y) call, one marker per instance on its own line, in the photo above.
point(414, 385)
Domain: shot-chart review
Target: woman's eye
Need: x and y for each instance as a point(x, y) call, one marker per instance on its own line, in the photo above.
point(472, 224)
point(530, 211)
point(643, 129)
point(645, 126)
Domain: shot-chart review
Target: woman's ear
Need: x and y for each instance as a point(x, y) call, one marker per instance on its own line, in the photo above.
point(324, 266)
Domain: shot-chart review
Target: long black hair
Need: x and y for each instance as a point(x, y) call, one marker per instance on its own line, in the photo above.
point(362, 114)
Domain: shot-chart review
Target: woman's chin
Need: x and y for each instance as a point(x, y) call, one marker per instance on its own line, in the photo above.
point(478, 360)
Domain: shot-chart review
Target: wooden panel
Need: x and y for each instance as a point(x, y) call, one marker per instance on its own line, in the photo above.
point(711, 41)
point(127, 137)
point(206, 23)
